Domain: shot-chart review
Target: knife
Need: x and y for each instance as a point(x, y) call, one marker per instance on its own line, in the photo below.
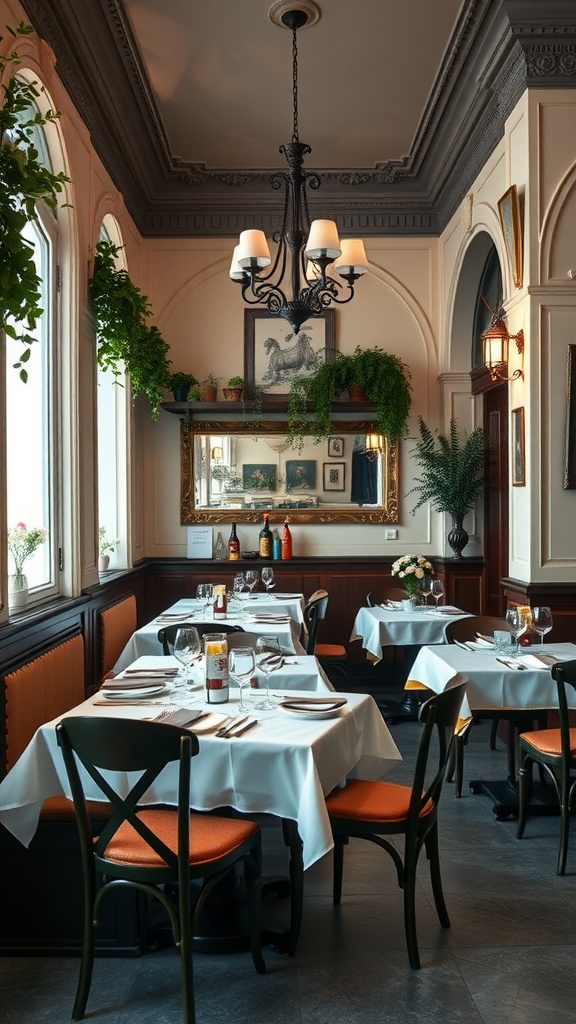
point(233, 725)
point(511, 664)
point(238, 732)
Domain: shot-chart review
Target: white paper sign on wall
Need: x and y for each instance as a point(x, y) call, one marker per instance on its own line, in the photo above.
point(199, 542)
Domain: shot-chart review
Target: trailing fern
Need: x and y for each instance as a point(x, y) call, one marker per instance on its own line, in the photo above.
point(126, 342)
point(453, 472)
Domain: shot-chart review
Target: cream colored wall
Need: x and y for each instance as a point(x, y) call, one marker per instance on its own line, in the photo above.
point(200, 313)
point(538, 154)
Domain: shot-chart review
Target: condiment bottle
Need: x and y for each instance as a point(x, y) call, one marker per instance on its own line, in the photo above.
point(216, 660)
point(265, 539)
point(220, 602)
point(276, 546)
point(286, 542)
point(233, 545)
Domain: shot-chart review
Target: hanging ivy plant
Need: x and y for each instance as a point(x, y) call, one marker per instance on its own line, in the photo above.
point(24, 181)
point(126, 341)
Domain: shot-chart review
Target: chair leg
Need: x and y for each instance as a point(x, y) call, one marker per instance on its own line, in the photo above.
point(339, 843)
point(410, 910)
point(294, 842)
point(433, 854)
point(459, 742)
point(524, 789)
point(564, 826)
point(184, 941)
point(88, 949)
point(493, 733)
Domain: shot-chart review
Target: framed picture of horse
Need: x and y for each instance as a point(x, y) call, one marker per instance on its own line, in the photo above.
point(274, 354)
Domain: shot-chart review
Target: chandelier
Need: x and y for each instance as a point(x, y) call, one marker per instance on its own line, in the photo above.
point(303, 279)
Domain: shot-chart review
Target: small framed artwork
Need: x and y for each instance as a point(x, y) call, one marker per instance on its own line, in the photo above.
point(300, 475)
point(258, 477)
point(334, 476)
point(510, 222)
point(274, 354)
point(335, 447)
point(570, 456)
point(518, 449)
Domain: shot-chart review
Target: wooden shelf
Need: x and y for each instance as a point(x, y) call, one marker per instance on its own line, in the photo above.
point(198, 410)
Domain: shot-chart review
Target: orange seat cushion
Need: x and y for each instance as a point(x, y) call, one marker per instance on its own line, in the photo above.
point(330, 651)
point(59, 808)
point(211, 837)
point(372, 801)
point(547, 741)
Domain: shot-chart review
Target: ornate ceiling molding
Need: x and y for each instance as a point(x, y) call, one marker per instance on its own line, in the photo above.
point(499, 48)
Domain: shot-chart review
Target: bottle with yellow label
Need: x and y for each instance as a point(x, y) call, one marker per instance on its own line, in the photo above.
point(265, 539)
point(216, 659)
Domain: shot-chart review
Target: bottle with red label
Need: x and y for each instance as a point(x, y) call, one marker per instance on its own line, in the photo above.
point(220, 606)
point(216, 659)
point(286, 542)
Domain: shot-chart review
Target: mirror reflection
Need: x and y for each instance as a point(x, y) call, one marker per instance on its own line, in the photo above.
point(230, 474)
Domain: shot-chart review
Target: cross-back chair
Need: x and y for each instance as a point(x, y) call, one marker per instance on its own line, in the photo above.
point(554, 750)
point(150, 848)
point(373, 810)
point(382, 594)
point(167, 634)
point(332, 657)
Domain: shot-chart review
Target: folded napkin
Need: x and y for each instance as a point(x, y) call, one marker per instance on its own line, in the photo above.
point(484, 641)
point(183, 718)
point(475, 645)
point(309, 703)
point(538, 660)
point(173, 617)
point(134, 683)
point(269, 618)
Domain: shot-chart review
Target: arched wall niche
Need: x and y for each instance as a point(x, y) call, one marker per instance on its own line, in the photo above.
point(467, 282)
point(558, 249)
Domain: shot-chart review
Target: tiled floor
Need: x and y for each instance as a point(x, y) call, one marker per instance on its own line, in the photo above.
point(507, 959)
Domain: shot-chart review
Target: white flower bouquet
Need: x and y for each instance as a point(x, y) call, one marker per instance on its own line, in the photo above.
point(411, 569)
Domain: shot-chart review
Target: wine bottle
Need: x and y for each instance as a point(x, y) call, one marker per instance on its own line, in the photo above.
point(233, 545)
point(286, 542)
point(265, 539)
point(220, 602)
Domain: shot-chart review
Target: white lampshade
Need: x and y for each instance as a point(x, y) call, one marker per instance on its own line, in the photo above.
point(323, 240)
point(252, 245)
point(353, 259)
point(235, 272)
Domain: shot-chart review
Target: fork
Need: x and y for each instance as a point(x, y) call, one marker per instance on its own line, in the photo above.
point(163, 714)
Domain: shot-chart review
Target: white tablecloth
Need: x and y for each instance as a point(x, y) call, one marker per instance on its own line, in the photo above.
point(145, 640)
point(491, 685)
point(299, 672)
point(383, 627)
point(283, 767)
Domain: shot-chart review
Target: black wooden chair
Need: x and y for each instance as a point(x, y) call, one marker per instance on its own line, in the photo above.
point(332, 657)
point(553, 750)
point(152, 849)
point(167, 634)
point(381, 595)
point(372, 810)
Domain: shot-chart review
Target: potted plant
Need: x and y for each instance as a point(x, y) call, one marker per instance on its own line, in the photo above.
point(126, 342)
point(384, 378)
point(209, 388)
point(105, 549)
point(22, 543)
point(180, 384)
point(233, 391)
point(24, 180)
point(453, 473)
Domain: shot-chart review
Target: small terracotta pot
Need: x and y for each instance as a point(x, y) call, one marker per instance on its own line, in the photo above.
point(209, 394)
point(232, 394)
point(357, 393)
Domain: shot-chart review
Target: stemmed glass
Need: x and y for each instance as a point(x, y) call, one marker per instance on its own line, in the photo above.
point(518, 623)
point(437, 591)
point(542, 622)
point(268, 659)
point(251, 577)
point(425, 589)
point(241, 666)
point(187, 648)
point(267, 577)
point(204, 595)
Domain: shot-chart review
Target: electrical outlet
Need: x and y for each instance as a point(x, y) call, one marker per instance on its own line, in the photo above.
point(390, 534)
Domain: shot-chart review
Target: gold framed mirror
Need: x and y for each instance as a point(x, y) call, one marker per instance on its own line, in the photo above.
point(234, 471)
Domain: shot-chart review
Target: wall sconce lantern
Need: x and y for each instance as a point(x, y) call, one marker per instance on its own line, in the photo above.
point(217, 454)
point(495, 341)
point(373, 445)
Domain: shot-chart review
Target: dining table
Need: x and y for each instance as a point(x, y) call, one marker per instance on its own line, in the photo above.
point(264, 615)
point(391, 625)
point(513, 685)
point(284, 765)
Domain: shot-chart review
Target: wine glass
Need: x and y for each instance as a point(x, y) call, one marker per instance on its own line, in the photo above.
point(204, 595)
point(187, 648)
point(267, 577)
point(425, 589)
point(241, 666)
point(518, 623)
point(251, 577)
point(437, 591)
point(542, 622)
point(268, 659)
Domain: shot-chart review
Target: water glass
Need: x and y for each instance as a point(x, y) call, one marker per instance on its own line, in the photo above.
point(187, 648)
point(268, 659)
point(542, 622)
point(437, 591)
point(251, 576)
point(267, 577)
point(503, 641)
point(518, 622)
point(204, 596)
point(241, 666)
point(425, 589)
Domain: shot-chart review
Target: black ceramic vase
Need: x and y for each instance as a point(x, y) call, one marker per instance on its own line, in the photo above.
point(458, 538)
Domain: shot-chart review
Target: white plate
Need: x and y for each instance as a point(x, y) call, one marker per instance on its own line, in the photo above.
point(130, 694)
point(310, 712)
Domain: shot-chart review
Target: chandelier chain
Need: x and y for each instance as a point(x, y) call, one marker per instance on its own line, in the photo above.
point(295, 136)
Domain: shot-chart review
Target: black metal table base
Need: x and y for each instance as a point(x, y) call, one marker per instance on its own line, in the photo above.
point(504, 796)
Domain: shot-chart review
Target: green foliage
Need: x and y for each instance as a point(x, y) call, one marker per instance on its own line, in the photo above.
point(452, 471)
point(236, 382)
point(123, 334)
point(105, 546)
point(385, 378)
point(24, 182)
point(211, 381)
point(181, 380)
